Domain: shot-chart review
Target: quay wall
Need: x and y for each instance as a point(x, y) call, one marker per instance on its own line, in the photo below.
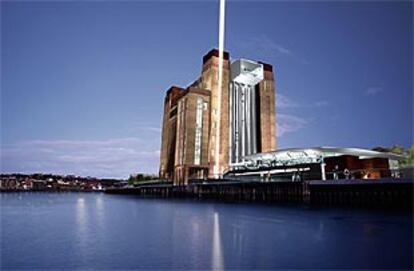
point(381, 193)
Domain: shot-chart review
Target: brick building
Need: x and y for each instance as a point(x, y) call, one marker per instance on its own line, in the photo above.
point(243, 111)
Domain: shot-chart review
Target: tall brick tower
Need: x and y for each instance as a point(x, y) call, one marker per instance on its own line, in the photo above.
point(243, 111)
point(209, 79)
point(169, 132)
point(267, 93)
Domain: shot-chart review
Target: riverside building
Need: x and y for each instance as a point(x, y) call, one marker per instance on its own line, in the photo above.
point(207, 130)
point(210, 133)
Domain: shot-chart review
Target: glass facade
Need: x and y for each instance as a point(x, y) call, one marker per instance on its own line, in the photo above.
point(198, 130)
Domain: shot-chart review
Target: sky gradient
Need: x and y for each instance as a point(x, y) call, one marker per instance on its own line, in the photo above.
point(82, 83)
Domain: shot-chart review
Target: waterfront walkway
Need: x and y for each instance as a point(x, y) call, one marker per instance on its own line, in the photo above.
point(371, 193)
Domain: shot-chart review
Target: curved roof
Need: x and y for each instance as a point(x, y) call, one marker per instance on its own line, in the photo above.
point(322, 152)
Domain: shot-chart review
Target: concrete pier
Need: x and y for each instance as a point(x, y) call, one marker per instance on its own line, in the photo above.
point(376, 193)
point(381, 193)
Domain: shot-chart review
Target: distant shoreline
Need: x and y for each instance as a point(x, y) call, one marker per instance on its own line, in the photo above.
point(49, 191)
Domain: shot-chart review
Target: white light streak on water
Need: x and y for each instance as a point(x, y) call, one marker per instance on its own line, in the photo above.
point(81, 213)
point(100, 211)
point(217, 259)
point(81, 228)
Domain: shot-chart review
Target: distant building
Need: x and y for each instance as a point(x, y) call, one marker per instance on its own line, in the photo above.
point(243, 110)
point(39, 185)
point(8, 183)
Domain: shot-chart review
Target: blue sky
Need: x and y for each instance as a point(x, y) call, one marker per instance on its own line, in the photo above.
point(82, 83)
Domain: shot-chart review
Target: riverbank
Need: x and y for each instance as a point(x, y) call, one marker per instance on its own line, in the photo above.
point(50, 191)
point(381, 193)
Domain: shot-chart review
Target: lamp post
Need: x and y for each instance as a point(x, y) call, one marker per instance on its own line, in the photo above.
point(323, 169)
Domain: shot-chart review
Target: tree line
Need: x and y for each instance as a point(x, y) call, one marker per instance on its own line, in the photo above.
point(407, 153)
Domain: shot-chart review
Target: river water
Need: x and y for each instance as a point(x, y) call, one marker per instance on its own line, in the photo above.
point(41, 230)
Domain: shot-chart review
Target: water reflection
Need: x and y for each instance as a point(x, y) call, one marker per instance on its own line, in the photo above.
point(81, 221)
point(81, 213)
point(100, 211)
point(320, 232)
point(217, 255)
point(98, 231)
point(238, 240)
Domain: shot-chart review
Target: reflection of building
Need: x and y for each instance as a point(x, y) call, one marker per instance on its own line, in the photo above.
point(246, 119)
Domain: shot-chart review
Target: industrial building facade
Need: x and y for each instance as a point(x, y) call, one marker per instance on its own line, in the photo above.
point(243, 111)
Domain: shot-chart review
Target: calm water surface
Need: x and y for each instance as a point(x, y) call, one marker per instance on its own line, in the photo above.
point(99, 231)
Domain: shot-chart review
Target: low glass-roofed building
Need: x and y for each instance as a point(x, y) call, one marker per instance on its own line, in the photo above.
point(317, 163)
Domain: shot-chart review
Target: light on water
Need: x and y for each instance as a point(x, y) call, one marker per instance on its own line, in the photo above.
point(100, 231)
point(217, 262)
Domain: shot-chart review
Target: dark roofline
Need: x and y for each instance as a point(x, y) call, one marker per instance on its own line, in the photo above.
point(215, 52)
point(267, 67)
point(172, 88)
point(172, 94)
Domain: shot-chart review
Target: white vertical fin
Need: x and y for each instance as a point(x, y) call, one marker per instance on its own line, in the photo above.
point(217, 170)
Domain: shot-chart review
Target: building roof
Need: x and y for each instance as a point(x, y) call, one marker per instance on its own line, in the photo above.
point(215, 52)
point(266, 66)
point(301, 156)
point(321, 152)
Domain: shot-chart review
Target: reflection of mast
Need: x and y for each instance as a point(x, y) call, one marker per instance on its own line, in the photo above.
point(217, 255)
point(217, 170)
